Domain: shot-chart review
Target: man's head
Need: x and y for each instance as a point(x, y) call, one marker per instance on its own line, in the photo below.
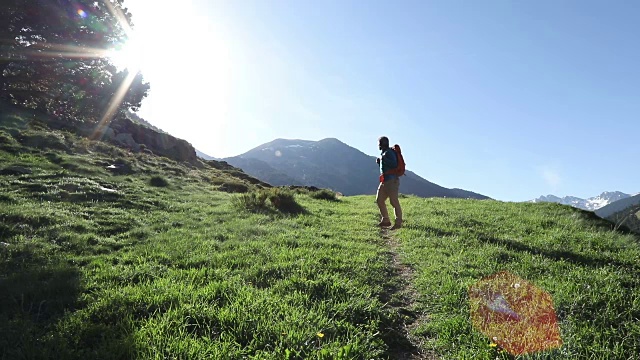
point(383, 143)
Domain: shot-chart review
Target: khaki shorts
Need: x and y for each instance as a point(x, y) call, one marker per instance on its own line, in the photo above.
point(388, 189)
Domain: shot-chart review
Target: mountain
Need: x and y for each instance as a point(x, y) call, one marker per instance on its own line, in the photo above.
point(591, 204)
point(618, 206)
point(624, 213)
point(262, 170)
point(623, 210)
point(628, 218)
point(330, 163)
point(202, 155)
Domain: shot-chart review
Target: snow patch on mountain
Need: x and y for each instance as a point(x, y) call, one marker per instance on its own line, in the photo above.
point(618, 206)
point(591, 204)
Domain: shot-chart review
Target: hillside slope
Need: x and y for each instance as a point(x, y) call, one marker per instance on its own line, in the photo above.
point(106, 253)
point(627, 219)
point(625, 213)
point(620, 205)
point(570, 253)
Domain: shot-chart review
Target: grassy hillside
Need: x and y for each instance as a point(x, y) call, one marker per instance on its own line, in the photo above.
point(627, 219)
point(109, 254)
point(591, 272)
point(113, 255)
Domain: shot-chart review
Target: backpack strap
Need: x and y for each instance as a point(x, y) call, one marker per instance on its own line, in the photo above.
point(393, 170)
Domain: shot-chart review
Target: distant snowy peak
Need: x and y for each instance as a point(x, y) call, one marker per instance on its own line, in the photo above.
point(619, 206)
point(605, 199)
point(591, 204)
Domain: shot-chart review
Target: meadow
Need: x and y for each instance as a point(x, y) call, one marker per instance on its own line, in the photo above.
point(109, 254)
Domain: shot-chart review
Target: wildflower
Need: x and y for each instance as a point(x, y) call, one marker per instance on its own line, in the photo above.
point(320, 335)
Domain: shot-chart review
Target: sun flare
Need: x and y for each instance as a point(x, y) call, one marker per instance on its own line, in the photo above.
point(130, 56)
point(187, 59)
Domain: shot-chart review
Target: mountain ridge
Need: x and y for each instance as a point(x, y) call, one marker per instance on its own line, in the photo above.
point(330, 163)
point(590, 204)
point(618, 206)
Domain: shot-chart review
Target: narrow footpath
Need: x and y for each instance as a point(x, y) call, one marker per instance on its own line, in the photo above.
point(402, 298)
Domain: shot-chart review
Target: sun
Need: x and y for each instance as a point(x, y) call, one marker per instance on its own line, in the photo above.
point(188, 60)
point(129, 56)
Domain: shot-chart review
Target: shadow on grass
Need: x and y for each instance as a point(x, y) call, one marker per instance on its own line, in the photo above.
point(37, 296)
point(291, 209)
point(35, 293)
point(285, 202)
point(559, 255)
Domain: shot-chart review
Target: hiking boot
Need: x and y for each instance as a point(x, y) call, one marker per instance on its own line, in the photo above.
point(384, 223)
point(397, 225)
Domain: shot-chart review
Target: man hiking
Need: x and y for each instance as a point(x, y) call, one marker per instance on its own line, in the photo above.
point(389, 184)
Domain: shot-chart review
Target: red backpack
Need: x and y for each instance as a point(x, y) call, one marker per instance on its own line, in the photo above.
point(399, 170)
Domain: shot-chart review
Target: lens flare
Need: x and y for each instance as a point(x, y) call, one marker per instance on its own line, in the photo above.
point(41, 50)
point(515, 314)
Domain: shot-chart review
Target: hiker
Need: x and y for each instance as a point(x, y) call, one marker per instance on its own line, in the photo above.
point(389, 184)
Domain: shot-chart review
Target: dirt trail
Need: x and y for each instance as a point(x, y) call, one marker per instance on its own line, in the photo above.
point(403, 297)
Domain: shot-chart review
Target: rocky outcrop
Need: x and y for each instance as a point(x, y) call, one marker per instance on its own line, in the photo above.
point(127, 140)
point(121, 131)
point(136, 137)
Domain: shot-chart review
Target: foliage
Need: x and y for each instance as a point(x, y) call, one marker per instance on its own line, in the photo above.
point(280, 199)
point(7, 142)
point(158, 181)
point(227, 183)
point(55, 57)
point(254, 201)
point(234, 187)
point(284, 200)
point(44, 139)
point(324, 194)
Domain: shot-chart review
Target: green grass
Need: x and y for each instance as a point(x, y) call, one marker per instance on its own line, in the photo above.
point(195, 280)
point(158, 181)
point(324, 194)
point(104, 263)
point(255, 201)
point(96, 261)
point(590, 271)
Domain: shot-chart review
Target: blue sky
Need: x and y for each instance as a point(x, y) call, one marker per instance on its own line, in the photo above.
point(511, 99)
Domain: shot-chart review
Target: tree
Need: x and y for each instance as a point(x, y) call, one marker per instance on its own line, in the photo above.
point(54, 58)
